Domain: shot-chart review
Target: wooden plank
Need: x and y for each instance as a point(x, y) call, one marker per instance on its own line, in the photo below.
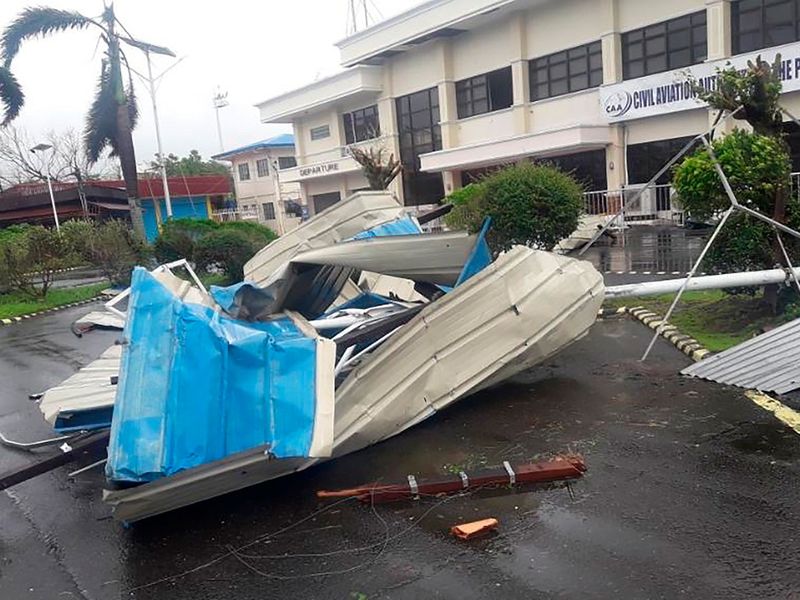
point(89, 443)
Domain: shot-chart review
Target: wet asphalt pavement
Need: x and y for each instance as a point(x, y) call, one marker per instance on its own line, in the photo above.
point(646, 253)
point(692, 492)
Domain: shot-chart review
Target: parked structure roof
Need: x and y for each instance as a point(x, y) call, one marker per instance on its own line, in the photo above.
point(768, 363)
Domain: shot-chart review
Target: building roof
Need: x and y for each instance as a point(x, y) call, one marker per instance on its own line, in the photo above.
point(768, 363)
point(422, 23)
point(284, 140)
point(362, 82)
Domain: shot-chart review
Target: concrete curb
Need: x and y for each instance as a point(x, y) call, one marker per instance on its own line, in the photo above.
point(686, 344)
point(12, 320)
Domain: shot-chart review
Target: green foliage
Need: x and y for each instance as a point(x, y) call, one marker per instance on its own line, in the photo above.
point(534, 205)
point(226, 251)
point(758, 169)
point(755, 92)
point(212, 246)
point(112, 246)
point(177, 238)
point(29, 258)
point(186, 166)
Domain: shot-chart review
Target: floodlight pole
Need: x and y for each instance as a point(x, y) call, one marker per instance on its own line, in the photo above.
point(41, 148)
point(152, 89)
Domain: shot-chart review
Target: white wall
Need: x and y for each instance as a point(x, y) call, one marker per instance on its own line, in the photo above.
point(564, 24)
point(637, 13)
point(481, 50)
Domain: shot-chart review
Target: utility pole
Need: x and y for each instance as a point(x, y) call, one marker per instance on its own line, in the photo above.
point(220, 101)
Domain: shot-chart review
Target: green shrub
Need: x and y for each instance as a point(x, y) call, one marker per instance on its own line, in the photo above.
point(758, 169)
point(225, 250)
point(29, 258)
point(116, 248)
point(534, 205)
point(256, 232)
point(177, 238)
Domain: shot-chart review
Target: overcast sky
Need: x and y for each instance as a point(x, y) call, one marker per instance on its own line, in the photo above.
point(253, 49)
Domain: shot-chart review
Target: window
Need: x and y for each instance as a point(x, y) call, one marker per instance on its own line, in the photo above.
point(361, 125)
point(321, 132)
point(757, 24)
point(244, 171)
point(262, 167)
point(269, 211)
point(646, 159)
point(589, 168)
point(286, 162)
point(664, 46)
point(323, 201)
point(484, 93)
point(419, 130)
point(567, 71)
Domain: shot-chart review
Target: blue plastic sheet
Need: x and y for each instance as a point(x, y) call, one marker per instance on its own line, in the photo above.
point(401, 226)
point(196, 386)
point(480, 257)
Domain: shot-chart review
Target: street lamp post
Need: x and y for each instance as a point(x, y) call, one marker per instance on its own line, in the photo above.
point(149, 49)
point(41, 148)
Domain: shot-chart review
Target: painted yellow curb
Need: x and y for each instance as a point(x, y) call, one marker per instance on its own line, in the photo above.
point(782, 412)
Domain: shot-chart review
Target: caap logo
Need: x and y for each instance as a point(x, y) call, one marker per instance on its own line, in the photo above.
point(617, 104)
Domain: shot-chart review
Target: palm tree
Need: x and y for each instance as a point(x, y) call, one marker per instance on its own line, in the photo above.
point(113, 113)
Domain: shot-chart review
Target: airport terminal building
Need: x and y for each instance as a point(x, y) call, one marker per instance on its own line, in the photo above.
point(456, 87)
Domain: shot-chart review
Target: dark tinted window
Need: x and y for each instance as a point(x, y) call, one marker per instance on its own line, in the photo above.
point(286, 162)
point(589, 168)
point(362, 124)
point(566, 71)
point(757, 24)
point(664, 46)
point(419, 131)
point(645, 160)
point(484, 93)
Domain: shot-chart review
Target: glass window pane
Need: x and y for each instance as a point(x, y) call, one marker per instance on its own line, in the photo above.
point(656, 64)
point(558, 71)
point(595, 61)
point(595, 78)
point(558, 87)
point(579, 65)
point(680, 58)
point(656, 45)
point(677, 40)
point(634, 68)
point(578, 82)
point(634, 51)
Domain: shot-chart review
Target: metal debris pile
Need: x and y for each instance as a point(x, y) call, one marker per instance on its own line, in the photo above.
point(346, 331)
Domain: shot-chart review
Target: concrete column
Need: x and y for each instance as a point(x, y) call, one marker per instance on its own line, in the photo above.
point(520, 75)
point(718, 20)
point(611, 42)
point(448, 111)
point(615, 158)
point(299, 142)
point(452, 181)
point(337, 127)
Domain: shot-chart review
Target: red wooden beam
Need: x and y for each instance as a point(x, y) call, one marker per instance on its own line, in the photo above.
point(557, 469)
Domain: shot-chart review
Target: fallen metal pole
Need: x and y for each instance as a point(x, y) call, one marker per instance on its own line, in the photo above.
point(707, 282)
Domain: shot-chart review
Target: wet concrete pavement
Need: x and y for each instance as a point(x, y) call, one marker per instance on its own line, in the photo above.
point(646, 253)
point(692, 491)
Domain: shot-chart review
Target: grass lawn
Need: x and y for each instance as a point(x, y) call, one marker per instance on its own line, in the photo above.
point(715, 319)
point(15, 304)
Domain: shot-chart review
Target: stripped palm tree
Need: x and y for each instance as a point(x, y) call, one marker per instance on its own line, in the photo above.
point(113, 113)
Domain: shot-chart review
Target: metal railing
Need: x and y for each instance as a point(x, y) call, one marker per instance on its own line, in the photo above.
point(659, 203)
point(235, 214)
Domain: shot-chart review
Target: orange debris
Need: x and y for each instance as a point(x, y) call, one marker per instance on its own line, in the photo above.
point(467, 531)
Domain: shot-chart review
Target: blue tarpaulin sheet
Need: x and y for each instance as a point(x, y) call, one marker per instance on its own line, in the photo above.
point(196, 386)
point(401, 226)
point(480, 257)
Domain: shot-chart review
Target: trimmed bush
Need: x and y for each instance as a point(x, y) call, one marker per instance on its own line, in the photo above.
point(534, 205)
point(225, 250)
point(178, 237)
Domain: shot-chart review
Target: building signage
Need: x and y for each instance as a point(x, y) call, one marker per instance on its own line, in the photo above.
point(320, 169)
point(672, 91)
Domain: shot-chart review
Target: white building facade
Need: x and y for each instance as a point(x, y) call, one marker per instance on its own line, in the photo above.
point(456, 87)
point(262, 193)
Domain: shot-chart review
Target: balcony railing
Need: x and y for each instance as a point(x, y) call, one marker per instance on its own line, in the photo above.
point(235, 214)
